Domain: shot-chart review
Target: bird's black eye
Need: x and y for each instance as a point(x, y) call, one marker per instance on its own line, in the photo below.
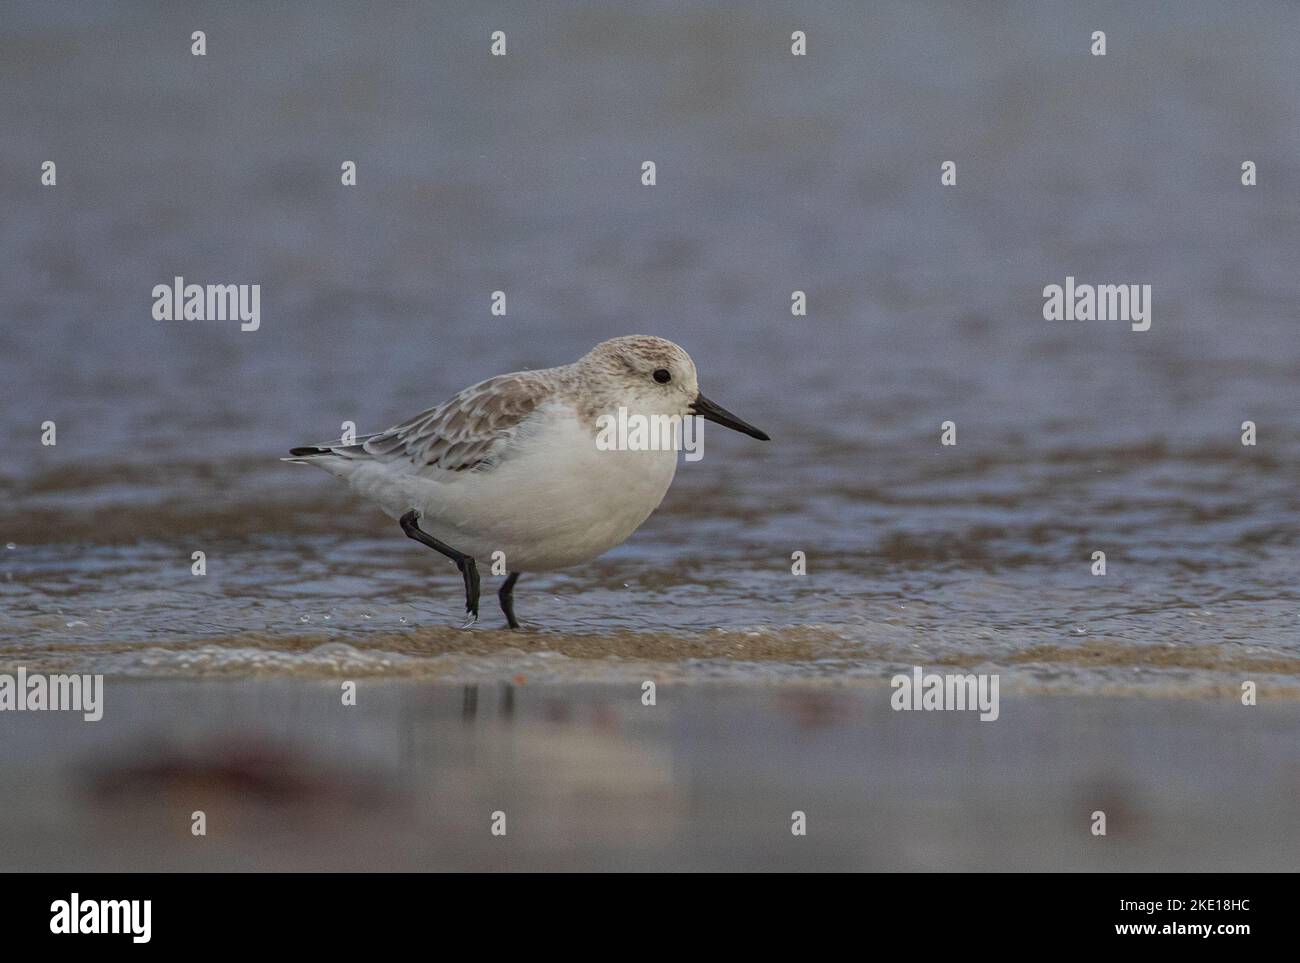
point(663, 376)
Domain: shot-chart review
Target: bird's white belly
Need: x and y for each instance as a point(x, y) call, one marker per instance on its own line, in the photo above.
point(556, 501)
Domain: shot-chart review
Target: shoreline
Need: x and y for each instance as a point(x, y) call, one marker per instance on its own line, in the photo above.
point(803, 656)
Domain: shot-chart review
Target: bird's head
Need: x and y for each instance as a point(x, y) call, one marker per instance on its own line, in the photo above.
point(653, 376)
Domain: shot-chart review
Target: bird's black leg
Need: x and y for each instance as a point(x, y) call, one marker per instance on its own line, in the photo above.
point(468, 570)
point(506, 595)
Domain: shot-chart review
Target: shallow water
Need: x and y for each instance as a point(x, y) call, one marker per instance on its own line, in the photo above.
point(775, 174)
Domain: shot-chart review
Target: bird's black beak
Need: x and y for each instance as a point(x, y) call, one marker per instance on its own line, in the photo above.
point(717, 414)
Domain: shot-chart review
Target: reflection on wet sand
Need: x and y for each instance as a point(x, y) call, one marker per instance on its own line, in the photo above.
point(590, 777)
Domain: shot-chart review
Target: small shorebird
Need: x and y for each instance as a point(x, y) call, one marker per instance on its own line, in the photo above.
point(512, 463)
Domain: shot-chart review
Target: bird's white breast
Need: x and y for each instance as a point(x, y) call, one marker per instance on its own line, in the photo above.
point(553, 500)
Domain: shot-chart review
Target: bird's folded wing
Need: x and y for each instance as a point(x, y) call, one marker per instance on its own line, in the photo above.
point(468, 431)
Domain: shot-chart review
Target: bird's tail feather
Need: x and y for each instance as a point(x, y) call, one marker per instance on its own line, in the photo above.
point(308, 455)
point(336, 457)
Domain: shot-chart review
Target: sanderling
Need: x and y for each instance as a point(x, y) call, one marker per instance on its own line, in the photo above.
point(511, 464)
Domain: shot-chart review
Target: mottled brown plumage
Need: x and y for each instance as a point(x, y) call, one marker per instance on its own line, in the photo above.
point(470, 430)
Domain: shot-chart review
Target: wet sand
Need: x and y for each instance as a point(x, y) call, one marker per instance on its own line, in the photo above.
point(590, 778)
